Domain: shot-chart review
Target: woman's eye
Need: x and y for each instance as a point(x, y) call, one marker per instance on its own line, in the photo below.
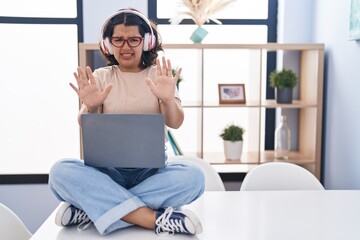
point(118, 40)
point(134, 40)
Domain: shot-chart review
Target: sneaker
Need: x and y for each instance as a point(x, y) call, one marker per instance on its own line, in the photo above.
point(170, 221)
point(69, 215)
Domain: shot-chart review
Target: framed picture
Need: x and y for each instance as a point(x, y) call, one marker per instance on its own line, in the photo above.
point(354, 31)
point(232, 93)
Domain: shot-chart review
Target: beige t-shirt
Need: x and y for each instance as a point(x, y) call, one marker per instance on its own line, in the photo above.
point(130, 93)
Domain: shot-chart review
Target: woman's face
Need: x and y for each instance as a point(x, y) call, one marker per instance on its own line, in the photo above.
point(128, 57)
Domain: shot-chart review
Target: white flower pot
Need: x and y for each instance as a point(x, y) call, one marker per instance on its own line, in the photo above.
point(233, 150)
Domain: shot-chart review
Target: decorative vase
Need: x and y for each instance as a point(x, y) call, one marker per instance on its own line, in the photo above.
point(282, 140)
point(233, 150)
point(284, 95)
point(198, 35)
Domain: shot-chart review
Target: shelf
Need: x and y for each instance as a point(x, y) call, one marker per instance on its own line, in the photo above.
point(295, 157)
point(266, 46)
point(218, 105)
point(253, 158)
point(205, 116)
point(294, 104)
point(253, 104)
point(219, 158)
point(233, 168)
point(250, 159)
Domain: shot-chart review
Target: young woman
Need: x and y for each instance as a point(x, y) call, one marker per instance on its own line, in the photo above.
point(134, 81)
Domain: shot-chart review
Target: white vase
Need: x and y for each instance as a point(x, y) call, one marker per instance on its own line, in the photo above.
point(233, 150)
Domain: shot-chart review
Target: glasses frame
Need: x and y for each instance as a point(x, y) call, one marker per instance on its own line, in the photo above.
point(125, 41)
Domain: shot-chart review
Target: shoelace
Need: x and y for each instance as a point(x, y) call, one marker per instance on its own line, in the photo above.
point(81, 218)
point(166, 226)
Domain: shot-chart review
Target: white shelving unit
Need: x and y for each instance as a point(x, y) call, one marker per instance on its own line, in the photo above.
point(206, 114)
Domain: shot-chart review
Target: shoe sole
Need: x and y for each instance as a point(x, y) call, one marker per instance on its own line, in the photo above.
point(194, 219)
point(60, 213)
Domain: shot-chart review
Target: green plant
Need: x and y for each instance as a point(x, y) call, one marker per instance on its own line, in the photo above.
point(232, 133)
point(174, 71)
point(282, 79)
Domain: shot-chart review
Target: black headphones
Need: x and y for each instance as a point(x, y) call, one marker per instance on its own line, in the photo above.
point(149, 38)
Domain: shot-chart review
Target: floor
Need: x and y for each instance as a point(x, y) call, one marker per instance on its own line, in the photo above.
point(232, 181)
point(232, 186)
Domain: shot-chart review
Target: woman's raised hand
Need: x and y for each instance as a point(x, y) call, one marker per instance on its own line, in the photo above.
point(164, 88)
point(87, 90)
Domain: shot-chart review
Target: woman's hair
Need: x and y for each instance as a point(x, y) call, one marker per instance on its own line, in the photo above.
point(148, 58)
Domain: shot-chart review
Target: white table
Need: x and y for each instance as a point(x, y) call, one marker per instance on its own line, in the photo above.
point(272, 215)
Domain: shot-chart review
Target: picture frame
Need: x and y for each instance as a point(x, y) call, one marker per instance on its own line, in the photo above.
point(354, 29)
point(232, 93)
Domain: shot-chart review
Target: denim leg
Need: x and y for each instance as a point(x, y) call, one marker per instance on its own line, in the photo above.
point(101, 193)
point(97, 193)
point(175, 185)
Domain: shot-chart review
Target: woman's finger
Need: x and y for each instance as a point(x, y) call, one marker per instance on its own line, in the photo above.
point(164, 67)
point(75, 88)
point(90, 74)
point(158, 67)
point(81, 78)
point(169, 64)
point(78, 81)
point(177, 75)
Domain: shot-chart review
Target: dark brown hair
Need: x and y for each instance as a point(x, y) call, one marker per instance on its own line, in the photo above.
point(148, 58)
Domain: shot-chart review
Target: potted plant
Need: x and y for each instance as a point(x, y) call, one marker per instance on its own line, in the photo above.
point(233, 141)
point(200, 12)
point(284, 82)
point(180, 79)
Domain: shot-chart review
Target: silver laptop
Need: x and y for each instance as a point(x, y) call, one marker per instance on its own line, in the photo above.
point(123, 140)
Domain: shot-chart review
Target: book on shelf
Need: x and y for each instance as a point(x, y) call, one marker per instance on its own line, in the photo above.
point(174, 144)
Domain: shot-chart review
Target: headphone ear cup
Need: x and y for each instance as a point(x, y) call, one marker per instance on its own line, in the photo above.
point(149, 41)
point(146, 42)
point(106, 46)
point(152, 41)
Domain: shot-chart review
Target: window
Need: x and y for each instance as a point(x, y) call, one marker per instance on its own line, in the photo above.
point(243, 22)
point(38, 57)
point(39, 9)
point(247, 21)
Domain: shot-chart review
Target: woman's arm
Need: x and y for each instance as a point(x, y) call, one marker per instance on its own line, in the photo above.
point(173, 113)
point(164, 90)
point(84, 110)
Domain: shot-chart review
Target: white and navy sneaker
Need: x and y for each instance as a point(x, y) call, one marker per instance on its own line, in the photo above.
point(170, 221)
point(69, 215)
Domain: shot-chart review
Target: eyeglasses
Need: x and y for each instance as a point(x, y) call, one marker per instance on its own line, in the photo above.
point(131, 41)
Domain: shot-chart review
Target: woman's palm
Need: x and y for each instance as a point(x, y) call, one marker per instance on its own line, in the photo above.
point(87, 90)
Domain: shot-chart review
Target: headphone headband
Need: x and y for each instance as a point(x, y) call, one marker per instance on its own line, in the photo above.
point(149, 38)
point(139, 14)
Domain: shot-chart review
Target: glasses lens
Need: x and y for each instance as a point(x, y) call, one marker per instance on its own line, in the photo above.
point(134, 41)
point(117, 41)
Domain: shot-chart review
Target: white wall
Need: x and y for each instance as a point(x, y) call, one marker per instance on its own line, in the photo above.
point(295, 21)
point(342, 86)
point(96, 12)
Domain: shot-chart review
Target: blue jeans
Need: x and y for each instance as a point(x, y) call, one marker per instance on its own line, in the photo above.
point(108, 194)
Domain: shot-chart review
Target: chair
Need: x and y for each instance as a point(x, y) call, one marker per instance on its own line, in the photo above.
point(11, 226)
point(213, 181)
point(279, 176)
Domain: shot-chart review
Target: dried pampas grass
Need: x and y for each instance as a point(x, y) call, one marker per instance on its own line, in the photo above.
point(200, 11)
